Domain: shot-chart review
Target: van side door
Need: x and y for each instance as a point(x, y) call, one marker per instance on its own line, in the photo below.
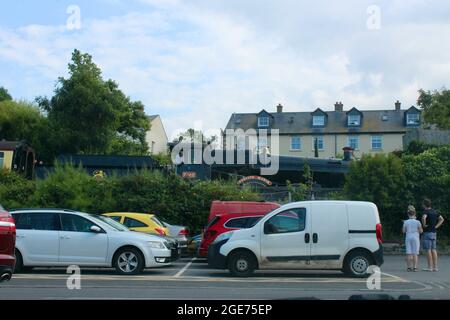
point(329, 227)
point(286, 240)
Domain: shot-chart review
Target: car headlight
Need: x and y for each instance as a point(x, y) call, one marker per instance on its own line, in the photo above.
point(156, 245)
point(224, 236)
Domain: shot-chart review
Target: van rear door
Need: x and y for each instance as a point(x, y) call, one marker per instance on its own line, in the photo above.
point(329, 227)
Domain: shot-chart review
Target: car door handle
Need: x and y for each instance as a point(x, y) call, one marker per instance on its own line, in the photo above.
point(20, 237)
point(315, 237)
point(306, 237)
point(65, 237)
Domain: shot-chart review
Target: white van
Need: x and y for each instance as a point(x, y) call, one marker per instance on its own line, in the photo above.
point(333, 235)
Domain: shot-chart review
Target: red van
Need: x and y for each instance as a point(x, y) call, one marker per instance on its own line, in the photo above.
point(7, 245)
point(232, 215)
point(229, 207)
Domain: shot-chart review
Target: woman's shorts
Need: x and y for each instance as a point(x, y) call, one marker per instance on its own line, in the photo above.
point(412, 245)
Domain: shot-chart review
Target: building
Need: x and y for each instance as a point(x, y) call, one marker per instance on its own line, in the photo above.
point(156, 137)
point(17, 156)
point(366, 131)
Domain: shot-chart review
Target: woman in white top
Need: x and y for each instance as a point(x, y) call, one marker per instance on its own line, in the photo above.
point(412, 229)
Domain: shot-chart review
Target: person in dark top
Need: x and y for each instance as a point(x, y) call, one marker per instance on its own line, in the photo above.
point(431, 221)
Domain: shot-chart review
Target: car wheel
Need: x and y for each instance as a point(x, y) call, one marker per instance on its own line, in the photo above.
point(357, 264)
point(19, 267)
point(128, 261)
point(242, 264)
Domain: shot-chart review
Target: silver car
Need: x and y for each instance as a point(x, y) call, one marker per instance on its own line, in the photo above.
point(179, 233)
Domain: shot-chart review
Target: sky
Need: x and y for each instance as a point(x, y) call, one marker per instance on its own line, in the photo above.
point(195, 62)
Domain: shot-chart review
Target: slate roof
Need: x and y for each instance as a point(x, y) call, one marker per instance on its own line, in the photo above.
point(301, 122)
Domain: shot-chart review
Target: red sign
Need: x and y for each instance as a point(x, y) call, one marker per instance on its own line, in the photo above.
point(189, 174)
point(253, 179)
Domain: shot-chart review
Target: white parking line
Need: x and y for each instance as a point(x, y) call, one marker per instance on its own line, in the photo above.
point(179, 273)
point(395, 277)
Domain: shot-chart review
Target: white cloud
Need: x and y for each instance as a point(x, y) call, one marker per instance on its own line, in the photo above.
point(201, 61)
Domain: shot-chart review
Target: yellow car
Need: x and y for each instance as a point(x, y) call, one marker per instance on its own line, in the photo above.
point(140, 222)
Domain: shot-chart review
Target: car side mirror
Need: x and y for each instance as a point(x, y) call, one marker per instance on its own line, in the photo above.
point(95, 229)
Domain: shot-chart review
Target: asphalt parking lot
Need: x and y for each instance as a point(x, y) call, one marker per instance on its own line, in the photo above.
point(190, 278)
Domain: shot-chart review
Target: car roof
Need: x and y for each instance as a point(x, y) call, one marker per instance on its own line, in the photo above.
point(239, 215)
point(32, 210)
point(129, 214)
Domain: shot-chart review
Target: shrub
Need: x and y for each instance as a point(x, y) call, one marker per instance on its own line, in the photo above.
point(15, 190)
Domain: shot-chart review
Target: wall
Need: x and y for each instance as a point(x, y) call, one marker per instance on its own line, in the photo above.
point(157, 137)
point(430, 136)
point(7, 159)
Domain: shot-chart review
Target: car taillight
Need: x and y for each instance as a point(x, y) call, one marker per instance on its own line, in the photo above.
point(160, 231)
point(379, 232)
point(183, 232)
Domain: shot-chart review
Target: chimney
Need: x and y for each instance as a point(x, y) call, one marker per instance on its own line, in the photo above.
point(338, 106)
point(279, 108)
point(398, 106)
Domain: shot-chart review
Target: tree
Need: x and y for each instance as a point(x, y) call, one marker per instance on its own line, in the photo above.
point(380, 179)
point(20, 120)
point(92, 116)
point(4, 94)
point(436, 107)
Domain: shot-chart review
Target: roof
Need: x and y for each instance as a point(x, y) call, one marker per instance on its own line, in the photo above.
point(300, 122)
point(9, 145)
point(153, 117)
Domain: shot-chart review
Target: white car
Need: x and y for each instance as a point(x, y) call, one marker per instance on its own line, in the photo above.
point(338, 235)
point(58, 237)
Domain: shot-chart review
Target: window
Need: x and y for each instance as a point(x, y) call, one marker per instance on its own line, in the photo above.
point(377, 143)
point(296, 143)
point(353, 142)
point(242, 223)
point(318, 120)
point(354, 120)
point(240, 142)
point(2, 157)
point(115, 218)
point(262, 142)
point(320, 144)
point(263, 121)
point(74, 223)
point(133, 223)
point(293, 220)
point(38, 221)
point(412, 118)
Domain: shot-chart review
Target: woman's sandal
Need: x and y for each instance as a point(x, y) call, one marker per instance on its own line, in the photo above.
point(409, 269)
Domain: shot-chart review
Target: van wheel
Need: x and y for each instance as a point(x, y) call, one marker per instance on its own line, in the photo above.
point(128, 261)
point(242, 264)
point(357, 263)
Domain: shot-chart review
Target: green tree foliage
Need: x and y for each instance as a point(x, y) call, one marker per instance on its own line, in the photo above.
point(436, 107)
point(21, 120)
point(90, 115)
point(4, 95)
point(380, 179)
point(15, 190)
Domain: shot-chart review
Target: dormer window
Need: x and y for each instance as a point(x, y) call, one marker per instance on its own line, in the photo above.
point(412, 119)
point(263, 121)
point(318, 121)
point(354, 120)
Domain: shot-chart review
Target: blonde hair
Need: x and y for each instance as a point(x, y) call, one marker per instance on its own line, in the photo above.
point(411, 210)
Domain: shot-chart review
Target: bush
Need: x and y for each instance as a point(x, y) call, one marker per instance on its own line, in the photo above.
point(15, 190)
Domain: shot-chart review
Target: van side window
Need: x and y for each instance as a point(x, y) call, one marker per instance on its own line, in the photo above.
point(293, 220)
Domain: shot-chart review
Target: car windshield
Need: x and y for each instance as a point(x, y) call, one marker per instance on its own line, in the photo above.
point(110, 222)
